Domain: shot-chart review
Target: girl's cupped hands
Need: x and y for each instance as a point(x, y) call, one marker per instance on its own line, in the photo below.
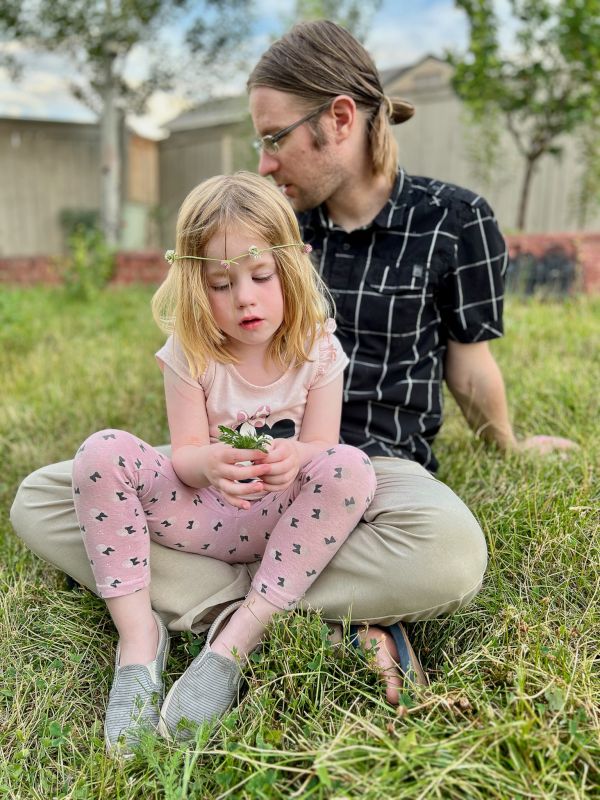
point(284, 464)
point(226, 466)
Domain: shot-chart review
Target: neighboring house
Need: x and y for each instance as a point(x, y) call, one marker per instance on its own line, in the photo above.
point(50, 168)
point(213, 139)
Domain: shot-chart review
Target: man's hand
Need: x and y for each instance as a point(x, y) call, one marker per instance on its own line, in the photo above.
point(475, 380)
point(543, 445)
point(284, 464)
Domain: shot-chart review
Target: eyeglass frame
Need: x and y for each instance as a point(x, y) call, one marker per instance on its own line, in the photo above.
point(270, 143)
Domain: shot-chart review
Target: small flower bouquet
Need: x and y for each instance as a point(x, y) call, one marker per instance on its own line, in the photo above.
point(243, 441)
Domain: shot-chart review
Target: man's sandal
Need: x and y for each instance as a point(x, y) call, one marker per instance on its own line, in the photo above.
point(135, 698)
point(411, 670)
point(204, 692)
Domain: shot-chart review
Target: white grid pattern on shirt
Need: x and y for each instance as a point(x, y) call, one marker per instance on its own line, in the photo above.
point(448, 266)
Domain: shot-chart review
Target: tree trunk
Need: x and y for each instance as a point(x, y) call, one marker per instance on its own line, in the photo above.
point(110, 162)
point(525, 192)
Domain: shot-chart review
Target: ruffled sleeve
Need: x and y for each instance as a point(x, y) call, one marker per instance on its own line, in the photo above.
point(171, 355)
point(331, 359)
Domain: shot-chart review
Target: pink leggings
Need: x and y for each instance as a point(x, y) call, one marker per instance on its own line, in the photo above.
point(127, 493)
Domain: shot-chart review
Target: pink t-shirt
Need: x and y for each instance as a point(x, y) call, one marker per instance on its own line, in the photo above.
point(275, 410)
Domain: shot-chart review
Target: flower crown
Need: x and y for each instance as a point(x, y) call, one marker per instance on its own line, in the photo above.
point(253, 251)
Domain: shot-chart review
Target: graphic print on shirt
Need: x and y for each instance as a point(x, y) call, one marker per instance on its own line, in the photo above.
point(256, 425)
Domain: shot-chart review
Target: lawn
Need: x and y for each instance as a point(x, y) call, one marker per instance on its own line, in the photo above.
point(513, 710)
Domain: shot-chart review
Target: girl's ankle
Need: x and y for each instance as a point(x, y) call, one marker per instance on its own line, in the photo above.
point(240, 636)
point(139, 649)
point(245, 629)
point(222, 649)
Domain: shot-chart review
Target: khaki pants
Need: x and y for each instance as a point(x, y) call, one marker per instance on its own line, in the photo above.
point(418, 553)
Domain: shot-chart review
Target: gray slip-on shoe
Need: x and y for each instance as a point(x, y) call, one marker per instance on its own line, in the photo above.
point(204, 692)
point(135, 698)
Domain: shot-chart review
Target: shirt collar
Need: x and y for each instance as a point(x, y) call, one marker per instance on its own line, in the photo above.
point(392, 213)
point(390, 216)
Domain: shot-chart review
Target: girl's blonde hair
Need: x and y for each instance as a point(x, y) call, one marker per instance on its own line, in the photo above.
point(181, 304)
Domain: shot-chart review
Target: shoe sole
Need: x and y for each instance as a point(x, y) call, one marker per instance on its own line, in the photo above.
point(162, 725)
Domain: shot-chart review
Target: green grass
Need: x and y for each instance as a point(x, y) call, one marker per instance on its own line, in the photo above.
point(513, 709)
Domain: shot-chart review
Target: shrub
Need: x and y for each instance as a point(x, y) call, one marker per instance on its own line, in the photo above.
point(90, 263)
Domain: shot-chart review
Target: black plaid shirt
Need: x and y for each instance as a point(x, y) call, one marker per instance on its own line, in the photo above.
point(427, 269)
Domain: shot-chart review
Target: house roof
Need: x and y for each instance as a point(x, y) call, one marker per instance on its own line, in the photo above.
point(392, 74)
point(225, 110)
point(386, 76)
point(218, 111)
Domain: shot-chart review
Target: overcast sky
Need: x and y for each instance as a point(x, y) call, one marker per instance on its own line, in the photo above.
point(401, 32)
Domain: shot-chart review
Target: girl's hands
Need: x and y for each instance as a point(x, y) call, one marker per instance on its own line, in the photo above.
point(276, 469)
point(284, 464)
point(222, 469)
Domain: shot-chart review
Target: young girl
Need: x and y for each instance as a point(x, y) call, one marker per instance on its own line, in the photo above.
point(251, 348)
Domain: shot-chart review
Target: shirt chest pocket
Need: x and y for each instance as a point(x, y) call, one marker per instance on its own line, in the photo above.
point(397, 299)
point(389, 278)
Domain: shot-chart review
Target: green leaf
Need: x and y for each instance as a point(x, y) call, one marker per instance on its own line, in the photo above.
point(555, 698)
point(324, 776)
point(243, 441)
point(325, 632)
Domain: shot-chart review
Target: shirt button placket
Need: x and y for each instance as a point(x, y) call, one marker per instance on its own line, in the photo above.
point(339, 272)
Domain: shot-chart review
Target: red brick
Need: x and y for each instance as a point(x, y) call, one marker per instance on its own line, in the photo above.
point(150, 266)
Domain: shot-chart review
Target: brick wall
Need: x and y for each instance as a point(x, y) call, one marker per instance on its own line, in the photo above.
point(142, 267)
point(150, 267)
point(134, 267)
point(28, 270)
point(583, 248)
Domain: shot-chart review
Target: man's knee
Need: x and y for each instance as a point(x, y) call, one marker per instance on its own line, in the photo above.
point(21, 511)
point(44, 500)
point(462, 559)
point(435, 542)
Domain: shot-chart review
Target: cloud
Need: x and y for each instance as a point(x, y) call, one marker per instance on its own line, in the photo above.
point(404, 33)
point(41, 95)
point(162, 107)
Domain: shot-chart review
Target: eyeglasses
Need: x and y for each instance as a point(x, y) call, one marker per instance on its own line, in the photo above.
point(270, 142)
